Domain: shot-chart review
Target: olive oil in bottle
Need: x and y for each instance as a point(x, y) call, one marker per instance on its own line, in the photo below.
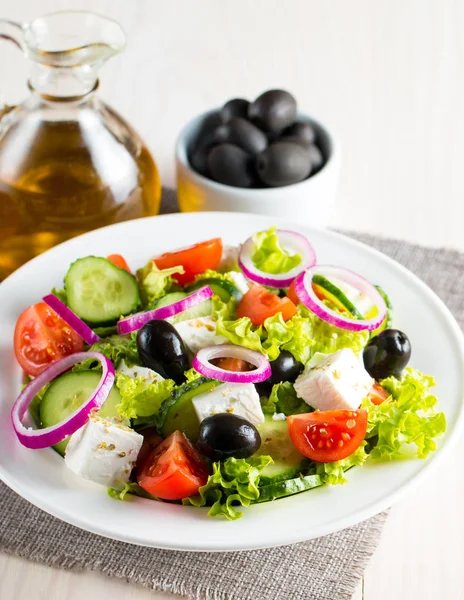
point(68, 163)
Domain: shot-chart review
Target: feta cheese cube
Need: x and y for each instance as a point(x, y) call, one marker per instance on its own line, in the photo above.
point(199, 333)
point(241, 282)
point(240, 399)
point(103, 452)
point(148, 375)
point(331, 381)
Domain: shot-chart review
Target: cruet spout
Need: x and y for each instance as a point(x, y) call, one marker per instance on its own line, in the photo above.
point(66, 38)
point(65, 50)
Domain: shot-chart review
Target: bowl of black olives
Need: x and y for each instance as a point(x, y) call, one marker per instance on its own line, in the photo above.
point(262, 157)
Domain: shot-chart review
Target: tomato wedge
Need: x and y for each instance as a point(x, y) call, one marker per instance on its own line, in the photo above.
point(195, 259)
point(378, 394)
point(119, 261)
point(328, 435)
point(151, 440)
point(292, 294)
point(233, 364)
point(173, 470)
point(258, 304)
point(41, 338)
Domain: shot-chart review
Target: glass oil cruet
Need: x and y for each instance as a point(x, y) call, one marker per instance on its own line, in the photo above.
point(68, 162)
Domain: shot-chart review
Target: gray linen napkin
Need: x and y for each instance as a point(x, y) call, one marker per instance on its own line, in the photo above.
point(327, 568)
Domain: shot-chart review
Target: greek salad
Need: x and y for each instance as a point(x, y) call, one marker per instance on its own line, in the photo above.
point(220, 376)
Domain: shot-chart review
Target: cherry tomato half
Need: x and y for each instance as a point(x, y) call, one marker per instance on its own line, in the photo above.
point(41, 338)
point(173, 470)
point(328, 435)
point(378, 394)
point(195, 259)
point(258, 304)
point(119, 261)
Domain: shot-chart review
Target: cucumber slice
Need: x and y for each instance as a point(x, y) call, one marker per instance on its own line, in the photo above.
point(67, 393)
point(335, 295)
point(100, 292)
point(205, 309)
point(170, 299)
point(177, 412)
point(222, 288)
point(276, 443)
point(387, 322)
point(288, 487)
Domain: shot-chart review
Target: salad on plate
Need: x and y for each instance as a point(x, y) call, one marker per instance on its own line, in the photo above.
point(220, 376)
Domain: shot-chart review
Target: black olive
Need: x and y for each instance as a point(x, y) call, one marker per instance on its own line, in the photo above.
point(295, 140)
point(238, 107)
point(316, 158)
point(273, 111)
point(224, 435)
point(199, 160)
point(205, 135)
point(161, 348)
point(387, 354)
point(231, 165)
point(242, 133)
point(301, 130)
point(284, 368)
point(283, 163)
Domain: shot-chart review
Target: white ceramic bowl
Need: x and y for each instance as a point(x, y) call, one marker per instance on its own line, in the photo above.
point(311, 201)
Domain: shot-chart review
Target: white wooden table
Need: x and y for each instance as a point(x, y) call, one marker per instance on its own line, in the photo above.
point(388, 77)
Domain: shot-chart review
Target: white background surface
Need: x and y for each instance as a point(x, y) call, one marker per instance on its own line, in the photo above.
point(388, 77)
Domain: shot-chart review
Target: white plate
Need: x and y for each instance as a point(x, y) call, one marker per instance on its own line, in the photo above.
point(42, 478)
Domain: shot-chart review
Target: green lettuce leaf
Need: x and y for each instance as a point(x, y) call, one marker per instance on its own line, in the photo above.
point(227, 311)
point(233, 482)
point(396, 426)
point(155, 282)
point(210, 274)
point(191, 375)
point(303, 335)
point(269, 256)
point(130, 489)
point(140, 399)
point(333, 473)
point(116, 348)
point(61, 295)
point(34, 406)
point(283, 399)
point(310, 334)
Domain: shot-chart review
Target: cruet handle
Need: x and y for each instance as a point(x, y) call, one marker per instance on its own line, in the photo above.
point(13, 32)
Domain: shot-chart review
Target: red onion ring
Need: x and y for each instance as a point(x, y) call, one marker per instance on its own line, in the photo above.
point(134, 322)
point(290, 240)
point(88, 335)
point(201, 363)
point(49, 436)
point(306, 295)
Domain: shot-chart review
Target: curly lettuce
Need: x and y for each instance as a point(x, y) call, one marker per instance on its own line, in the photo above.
point(303, 335)
point(283, 399)
point(155, 283)
point(269, 256)
point(140, 399)
point(130, 489)
point(333, 473)
point(407, 424)
point(233, 483)
point(210, 274)
point(115, 347)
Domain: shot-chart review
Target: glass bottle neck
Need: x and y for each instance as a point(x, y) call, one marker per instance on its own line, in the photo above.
point(63, 83)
